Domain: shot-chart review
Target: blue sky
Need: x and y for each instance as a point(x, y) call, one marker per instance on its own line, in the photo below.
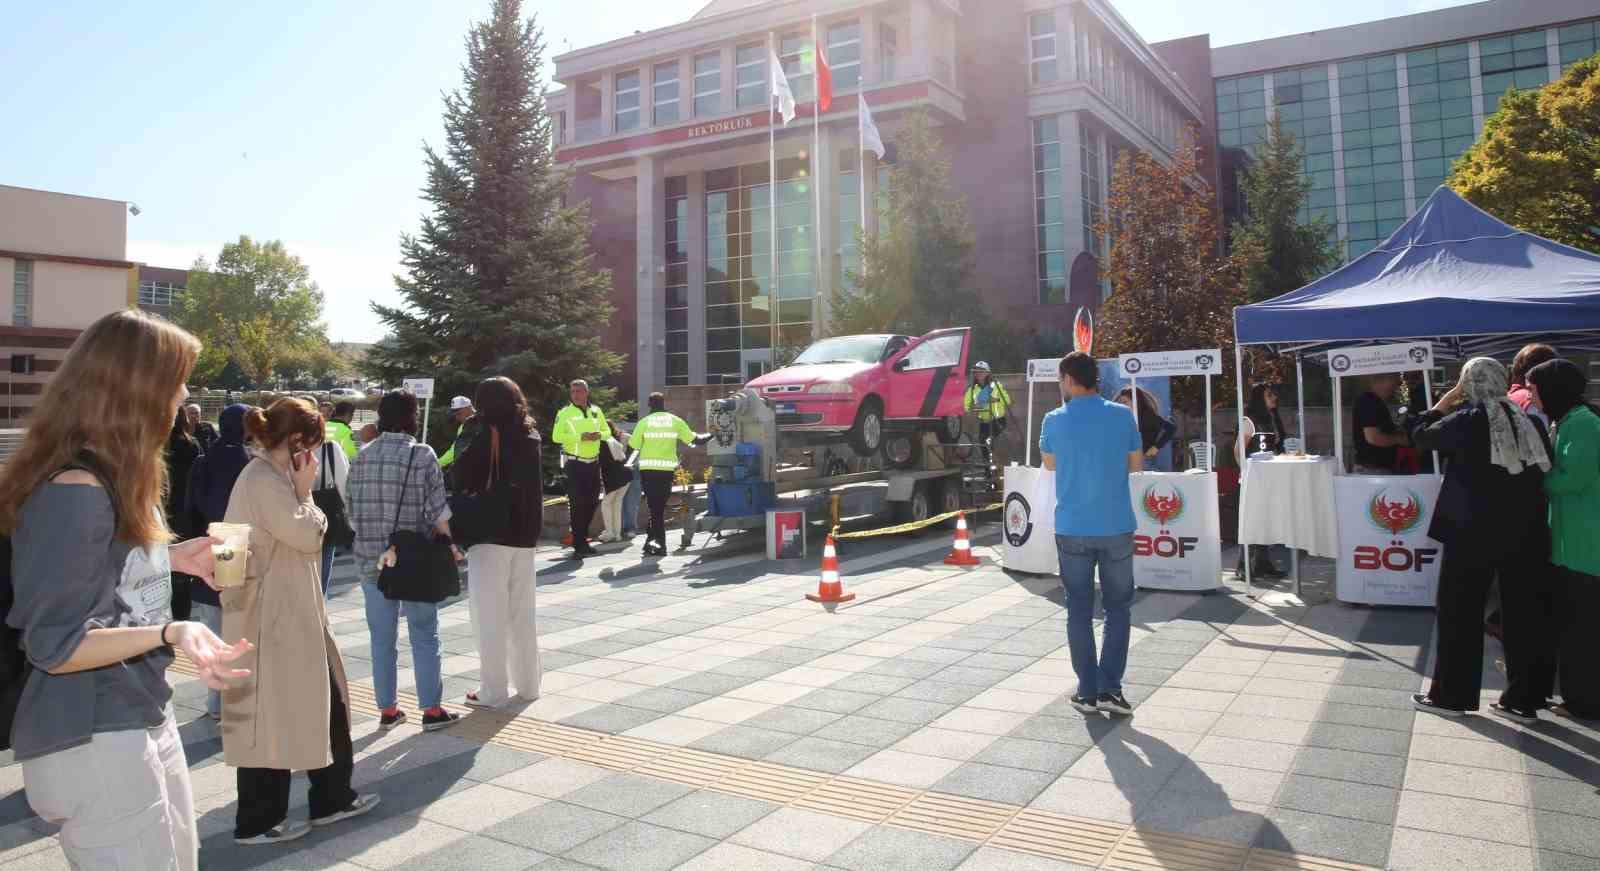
point(303, 121)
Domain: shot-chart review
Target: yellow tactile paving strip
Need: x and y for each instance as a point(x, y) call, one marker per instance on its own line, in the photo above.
point(1094, 843)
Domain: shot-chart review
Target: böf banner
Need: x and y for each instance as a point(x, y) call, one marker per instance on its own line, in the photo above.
point(1178, 542)
point(1385, 554)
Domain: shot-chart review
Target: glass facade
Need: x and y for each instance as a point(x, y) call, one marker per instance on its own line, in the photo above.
point(1355, 133)
point(750, 74)
point(664, 87)
point(844, 55)
point(1048, 232)
point(739, 266)
point(158, 293)
point(794, 52)
point(22, 293)
point(1089, 145)
point(676, 258)
point(707, 84)
point(1042, 47)
point(626, 97)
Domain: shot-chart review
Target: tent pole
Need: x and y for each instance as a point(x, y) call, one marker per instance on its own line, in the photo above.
point(1300, 397)
point(1244, 459)
point(1211, 461)
point(1338, 426)
point(1027, 438)
point(1427, 396)
point(1133, 382)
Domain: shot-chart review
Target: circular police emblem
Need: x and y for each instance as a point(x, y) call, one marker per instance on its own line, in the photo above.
point(1418, 355)
point(1019, 520)
point(1339, 363)
point(1132, 365)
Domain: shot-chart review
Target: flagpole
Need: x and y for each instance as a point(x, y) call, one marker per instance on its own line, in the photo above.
point(816, 162)
point(772, 210)
point(861, 154)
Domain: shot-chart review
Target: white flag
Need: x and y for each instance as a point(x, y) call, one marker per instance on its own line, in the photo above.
point(781, 90)
point(868, 129)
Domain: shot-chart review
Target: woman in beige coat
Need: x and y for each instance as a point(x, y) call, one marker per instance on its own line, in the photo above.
point(293, 712)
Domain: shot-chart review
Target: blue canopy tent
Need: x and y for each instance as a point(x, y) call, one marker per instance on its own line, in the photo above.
point(1452, 275)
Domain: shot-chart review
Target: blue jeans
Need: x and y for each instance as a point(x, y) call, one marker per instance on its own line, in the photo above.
point(328, 551)
point(630, 508)
point(1079, 555)
point(211, 617)
point(383, 624)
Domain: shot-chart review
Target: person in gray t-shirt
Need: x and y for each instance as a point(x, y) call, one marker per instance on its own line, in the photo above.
point(91, 574)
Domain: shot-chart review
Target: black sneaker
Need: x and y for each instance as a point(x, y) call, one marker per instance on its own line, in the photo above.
point(281, 833)
point(1526, 717)
point(1085, 705)
point(1423, 703)
point(1114, 703)
point(387, 721)
point(438, 718)
point(362, 805)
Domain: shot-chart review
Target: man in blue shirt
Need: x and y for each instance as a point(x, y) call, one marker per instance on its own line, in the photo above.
point(1092, 443)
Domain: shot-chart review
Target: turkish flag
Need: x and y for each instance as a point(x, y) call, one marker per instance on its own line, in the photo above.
point(824, 82)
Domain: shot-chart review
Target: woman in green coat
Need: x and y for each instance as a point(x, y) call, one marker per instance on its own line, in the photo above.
point(1573, 485)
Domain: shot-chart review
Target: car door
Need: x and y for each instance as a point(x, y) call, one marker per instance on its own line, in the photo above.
point(925, 379)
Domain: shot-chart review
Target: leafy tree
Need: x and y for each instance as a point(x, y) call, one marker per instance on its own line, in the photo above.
point(916, 271)
point(255, 306)
point(499, 277)
point(1285, 254)
point(1537, 164)
point(1170, 287)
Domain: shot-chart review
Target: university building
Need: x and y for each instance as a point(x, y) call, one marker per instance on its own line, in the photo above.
point(667, 132)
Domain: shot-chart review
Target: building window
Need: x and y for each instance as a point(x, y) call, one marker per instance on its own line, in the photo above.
point(1047, 211)
point(1578, 41)
point(844, 55)
point(1093, 196)
point(22, 293)
point(739, 266)
point(888, 51)
point(158, 293)
point(626, 100)
point(1439, 86)
point(794, 52)
point(664, 92)
point(750, 75)
point(707, 84)
point(561, 128)
point(1516, 62)
point(1042, 46)
point(676, 258)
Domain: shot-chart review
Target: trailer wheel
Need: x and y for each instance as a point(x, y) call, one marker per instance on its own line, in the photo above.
point(918, 508)
point(949, 500)
point(902, 450)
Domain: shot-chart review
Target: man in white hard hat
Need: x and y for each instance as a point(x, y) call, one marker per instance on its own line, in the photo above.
point(461, 411)
point(989, 398)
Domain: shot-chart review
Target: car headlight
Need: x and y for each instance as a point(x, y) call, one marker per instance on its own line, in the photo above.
point(835, 388)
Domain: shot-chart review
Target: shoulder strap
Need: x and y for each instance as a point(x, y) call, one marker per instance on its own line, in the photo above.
point(327, 459)
point(400, 502)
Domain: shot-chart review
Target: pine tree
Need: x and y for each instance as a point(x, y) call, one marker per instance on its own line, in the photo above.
point(1284, 253)
point(500, 278)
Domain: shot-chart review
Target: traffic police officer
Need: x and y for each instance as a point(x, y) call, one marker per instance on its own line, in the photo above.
point(656, 438)
point(992, 402)
point(580, 429)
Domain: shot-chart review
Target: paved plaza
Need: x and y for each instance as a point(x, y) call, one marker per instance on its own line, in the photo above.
point(705, 716)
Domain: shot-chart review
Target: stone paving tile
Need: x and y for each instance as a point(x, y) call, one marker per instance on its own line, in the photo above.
point(1091, 798)
point(1237, 783)
point(995, 783)
point(611, 719)
point(626, 795)
point(711, 814)
point(1466, 817)
point(639, 846)
point(821, 754)
point(1366, 740)
point(937, 691)
point(1044, 756)
point(1412, 850)
point(474, 852)
point(1262, 755)
point(915, 770)
point(794, 720)
point(905, 710)
point(966, 719)
point(997, 859)
point(1209, 816)
point(1387, 771)
point(1340, 798)
point(724, 857)
point(1463, 781)
point(800, 833)
point(946, 743)
point(836, 701)
point(886, 848)
point(552, 778)
point(1292, 831)
point(744, 741)
point(482, 805)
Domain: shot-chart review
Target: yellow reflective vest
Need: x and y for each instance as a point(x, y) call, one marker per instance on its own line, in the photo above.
point(572, 422)
point(656, 439)
point(999, 400)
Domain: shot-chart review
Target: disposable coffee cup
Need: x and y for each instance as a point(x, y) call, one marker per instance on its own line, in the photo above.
point(230, 553)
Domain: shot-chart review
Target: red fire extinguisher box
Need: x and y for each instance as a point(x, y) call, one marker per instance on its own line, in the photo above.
point(786, 534)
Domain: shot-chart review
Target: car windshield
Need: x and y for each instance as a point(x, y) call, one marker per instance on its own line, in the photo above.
point(844, 349)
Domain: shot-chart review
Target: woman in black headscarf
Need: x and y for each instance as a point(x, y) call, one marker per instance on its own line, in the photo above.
point(182, 451)
point(1574, 489)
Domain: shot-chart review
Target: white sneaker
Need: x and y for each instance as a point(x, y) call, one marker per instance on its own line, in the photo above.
point(288, 830)
point(362, 805)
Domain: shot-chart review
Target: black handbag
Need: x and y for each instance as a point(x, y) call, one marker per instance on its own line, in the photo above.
point(424, 569)
point(484, 516)
point(340, 533)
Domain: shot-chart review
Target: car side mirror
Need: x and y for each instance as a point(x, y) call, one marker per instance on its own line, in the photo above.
point(902, 364)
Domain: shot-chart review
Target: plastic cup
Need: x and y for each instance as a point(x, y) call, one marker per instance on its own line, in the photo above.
point(229, 556)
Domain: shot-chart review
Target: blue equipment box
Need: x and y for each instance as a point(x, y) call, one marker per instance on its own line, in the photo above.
point(741, 499)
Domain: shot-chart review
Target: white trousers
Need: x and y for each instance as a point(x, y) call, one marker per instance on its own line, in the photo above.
point(123, 801)
point(501, 600)
point(611, 513)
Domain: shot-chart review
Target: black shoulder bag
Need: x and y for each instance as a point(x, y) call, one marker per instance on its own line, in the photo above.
point(483, 516)
point(425, 565)
point(340, 533)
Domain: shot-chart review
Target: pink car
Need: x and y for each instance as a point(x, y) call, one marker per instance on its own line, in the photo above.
point(860, 387)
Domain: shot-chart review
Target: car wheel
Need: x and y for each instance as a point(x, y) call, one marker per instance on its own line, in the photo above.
point(949, 430)
point(918, 508)
point(866, 436)
point(903, 450)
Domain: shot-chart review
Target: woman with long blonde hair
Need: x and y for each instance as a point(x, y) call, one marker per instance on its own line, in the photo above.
point(91, 571)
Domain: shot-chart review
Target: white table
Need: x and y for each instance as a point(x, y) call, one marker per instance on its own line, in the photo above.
point(1030, 520)
point(1290, 501)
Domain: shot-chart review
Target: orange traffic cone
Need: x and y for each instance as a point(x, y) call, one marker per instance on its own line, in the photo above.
point(830, 588)
point(566, 540)
point(961, 553)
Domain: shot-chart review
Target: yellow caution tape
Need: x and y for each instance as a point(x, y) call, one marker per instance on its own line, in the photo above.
point(913, 526)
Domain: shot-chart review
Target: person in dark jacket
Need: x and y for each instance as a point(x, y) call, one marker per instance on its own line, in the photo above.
point(210, 484)
point(203, 431)
point(1261, 416)
point(1155, 431)
point(182, 452)
point(1490, 517)
point(615, 477)
point(505, 448)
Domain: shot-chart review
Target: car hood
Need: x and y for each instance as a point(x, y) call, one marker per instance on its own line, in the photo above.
point(808, 375)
